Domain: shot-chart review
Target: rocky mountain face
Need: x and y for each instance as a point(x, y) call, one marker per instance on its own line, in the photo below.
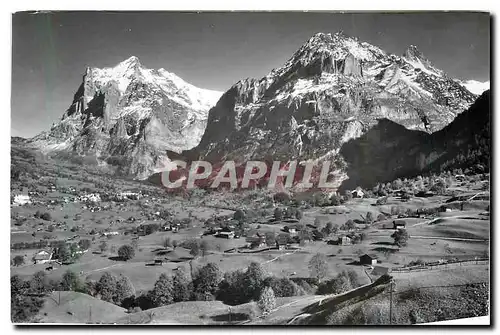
point(332, 90)
point(389, 151)
point(129, 118)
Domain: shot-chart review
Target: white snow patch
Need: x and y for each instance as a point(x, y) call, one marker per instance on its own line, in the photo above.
point(476, 87)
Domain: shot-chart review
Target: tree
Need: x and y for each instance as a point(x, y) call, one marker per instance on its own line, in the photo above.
point(253, 281)
point(318, 266)
point(204, 246)
point(18, 260)
point(134, 244)
point(174, 244)
point(278, 214)
point(369, 218)
point(106, 287)
point(350, 224)
point(124, 290)
point(163, 291)
point(397, 184)
point(283, 287)
point(207, 280)
point(73, 252)
point(239, 215)
point(267, 301)
point(181, 290)
point(103, 246)
point(71, 282)
point(46, 216)
point(63, 254)
point(328, 229)
point(298, 214)
point(270, 238)
point(84, 244)
point(195, 249)
point(22, 307)
point(335, 200)
point(335, 228)
point(167, 243)
point(39, 283)
point(304, 235)
point(400, 237)
point(126, 252)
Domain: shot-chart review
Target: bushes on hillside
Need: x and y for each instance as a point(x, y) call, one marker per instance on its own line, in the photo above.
point(23, 307)
point(206, 282)
point(267, 300)
point(126, 252)
point(343, 282)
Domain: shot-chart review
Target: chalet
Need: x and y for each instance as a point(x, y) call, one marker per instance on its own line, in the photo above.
point(225, 234)
point(110, 233)
point(344, 240)
point(292, 229)
point(21, 199)
point(460, 177)
point(91, 197)
point(256, 241)
point(158, 262)
point(380, 270)
point(42, 256)
point(399, 224)
point(358, 194)
point(368, 259)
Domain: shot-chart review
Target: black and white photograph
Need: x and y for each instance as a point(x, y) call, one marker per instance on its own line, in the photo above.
point(250, 168)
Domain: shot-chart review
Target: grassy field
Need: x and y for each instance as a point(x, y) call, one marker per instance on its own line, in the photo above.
point(73, 307)
point(461, 234)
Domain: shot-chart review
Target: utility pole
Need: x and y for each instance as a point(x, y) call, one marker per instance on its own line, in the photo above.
point(390, 305)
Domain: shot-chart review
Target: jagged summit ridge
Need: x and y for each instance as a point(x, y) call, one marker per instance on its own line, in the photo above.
point(334, 88)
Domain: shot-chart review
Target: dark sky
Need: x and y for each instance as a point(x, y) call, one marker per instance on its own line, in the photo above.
point(212, 50)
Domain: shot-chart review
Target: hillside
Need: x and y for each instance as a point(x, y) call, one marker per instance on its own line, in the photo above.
point(74, 307)
point(389, 150)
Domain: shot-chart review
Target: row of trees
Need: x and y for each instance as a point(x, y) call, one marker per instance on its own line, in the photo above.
point(208, 283)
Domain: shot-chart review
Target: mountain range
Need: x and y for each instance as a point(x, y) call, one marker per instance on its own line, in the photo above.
point(334, 90)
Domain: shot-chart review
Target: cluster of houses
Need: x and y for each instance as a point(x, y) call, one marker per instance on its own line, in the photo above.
point(20, 200)
point(346, 239)
point(46, 255)
point(91, 197)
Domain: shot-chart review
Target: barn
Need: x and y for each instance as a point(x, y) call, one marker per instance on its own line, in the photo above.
point(368, 259)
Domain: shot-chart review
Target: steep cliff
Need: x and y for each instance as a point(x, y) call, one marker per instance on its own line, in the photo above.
point(129, 117)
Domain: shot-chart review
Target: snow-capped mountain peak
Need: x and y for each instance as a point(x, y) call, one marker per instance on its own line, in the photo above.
point(417, 59)
point(333, 89)
point(129, 113)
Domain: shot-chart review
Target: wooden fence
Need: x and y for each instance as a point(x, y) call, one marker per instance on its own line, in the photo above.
point(437, 265)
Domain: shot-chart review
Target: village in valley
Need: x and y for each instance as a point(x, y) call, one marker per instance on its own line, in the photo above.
point(76, 235)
